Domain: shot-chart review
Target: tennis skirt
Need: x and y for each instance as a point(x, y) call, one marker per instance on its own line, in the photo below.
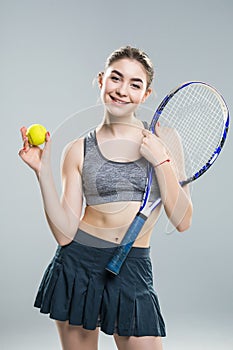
point(76, 287)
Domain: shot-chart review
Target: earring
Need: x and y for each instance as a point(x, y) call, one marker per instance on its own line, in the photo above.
point(100, 77)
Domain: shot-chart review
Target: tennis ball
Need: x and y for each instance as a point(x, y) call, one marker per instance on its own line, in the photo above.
point(36, 134)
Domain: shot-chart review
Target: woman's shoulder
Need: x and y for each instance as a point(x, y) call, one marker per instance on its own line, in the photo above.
point(74, 146)
point(73, 152)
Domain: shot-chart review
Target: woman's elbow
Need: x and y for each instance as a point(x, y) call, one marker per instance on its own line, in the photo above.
point(186, 222)
point(183, 227)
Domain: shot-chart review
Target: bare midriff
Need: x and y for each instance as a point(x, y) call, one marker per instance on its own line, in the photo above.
point(110, 222)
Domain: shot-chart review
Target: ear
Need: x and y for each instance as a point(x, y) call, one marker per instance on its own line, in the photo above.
point(147, 94)
point(100, 79)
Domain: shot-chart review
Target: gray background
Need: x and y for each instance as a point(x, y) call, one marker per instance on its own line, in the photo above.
point(50, 53)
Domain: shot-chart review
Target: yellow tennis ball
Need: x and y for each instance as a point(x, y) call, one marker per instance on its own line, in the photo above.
point(36, 134)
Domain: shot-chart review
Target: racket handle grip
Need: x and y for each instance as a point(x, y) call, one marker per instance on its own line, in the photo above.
point(123, 249)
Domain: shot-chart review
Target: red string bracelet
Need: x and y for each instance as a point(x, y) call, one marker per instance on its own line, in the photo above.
point(166, 160)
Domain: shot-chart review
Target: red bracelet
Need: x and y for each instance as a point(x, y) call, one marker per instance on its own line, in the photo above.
point(166, 160)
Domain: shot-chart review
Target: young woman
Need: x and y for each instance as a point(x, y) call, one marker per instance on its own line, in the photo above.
point(108, 169)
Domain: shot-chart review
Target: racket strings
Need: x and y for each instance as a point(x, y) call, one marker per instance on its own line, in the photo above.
point(196, 111)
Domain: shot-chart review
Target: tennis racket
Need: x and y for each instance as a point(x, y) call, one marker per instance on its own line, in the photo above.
point(195, 116)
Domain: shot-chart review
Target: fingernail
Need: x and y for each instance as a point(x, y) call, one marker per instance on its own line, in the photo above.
point(48, 133)
point(158, 123)
point(24, 149)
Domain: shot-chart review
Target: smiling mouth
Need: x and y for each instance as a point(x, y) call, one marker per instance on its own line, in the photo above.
point(114, 99)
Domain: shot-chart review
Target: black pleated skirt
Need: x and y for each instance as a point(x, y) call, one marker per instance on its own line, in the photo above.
point(76, 287)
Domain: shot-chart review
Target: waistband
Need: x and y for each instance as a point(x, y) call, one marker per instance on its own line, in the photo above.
point(85, 239)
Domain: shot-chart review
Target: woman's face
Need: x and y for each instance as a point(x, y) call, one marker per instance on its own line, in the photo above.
point(124, 87)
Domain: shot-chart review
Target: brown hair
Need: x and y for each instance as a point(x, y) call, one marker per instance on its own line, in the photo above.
point(133, 54)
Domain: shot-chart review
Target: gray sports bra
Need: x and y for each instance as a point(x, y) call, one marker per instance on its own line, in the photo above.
point(107, 181)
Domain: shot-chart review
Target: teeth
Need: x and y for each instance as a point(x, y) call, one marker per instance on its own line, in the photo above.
point(118, 101)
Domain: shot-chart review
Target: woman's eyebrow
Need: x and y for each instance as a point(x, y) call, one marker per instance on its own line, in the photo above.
point(121, 75)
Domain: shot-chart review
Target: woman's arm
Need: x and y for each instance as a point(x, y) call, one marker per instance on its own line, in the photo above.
point(63, 215)
point(176, 199)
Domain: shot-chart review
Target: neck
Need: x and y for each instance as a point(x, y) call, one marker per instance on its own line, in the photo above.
point(120, 125)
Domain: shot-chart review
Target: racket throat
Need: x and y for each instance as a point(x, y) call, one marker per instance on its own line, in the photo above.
point(146, 211)
point(142, 215)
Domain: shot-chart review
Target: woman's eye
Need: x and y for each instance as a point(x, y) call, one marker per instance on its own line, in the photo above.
point(114, 78)
point(136, 86)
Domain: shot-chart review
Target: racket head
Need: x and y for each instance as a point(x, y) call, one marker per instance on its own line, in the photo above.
point(194, 121)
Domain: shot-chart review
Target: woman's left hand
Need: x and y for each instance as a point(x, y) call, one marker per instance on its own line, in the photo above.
point(152, 147)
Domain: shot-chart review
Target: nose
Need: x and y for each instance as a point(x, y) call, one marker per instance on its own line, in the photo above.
point(122, 90)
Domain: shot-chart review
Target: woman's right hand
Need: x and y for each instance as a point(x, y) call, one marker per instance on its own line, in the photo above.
point(33, 155)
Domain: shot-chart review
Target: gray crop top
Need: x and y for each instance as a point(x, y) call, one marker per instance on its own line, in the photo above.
point(107, 181)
